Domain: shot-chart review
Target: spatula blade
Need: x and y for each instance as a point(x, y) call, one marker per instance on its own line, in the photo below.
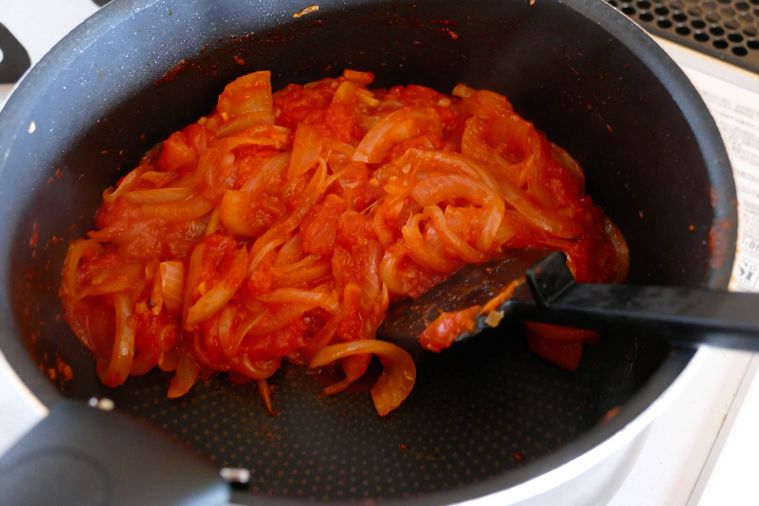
point(472, 285)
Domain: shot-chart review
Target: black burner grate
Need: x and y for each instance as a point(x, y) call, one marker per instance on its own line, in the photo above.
point(726, 29)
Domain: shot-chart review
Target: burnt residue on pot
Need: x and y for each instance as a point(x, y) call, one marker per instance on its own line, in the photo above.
point(182, 66)
point(61, 373)
point(32, 315)
point(248, 44)
point(721, 234)
point(720, 244)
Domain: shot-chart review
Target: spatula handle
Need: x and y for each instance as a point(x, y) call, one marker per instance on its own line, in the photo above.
point(685, 316)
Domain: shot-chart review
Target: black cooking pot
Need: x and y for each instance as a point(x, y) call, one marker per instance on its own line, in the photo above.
point(483, 417)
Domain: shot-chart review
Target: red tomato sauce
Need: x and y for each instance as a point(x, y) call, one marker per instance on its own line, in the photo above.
point(283, 224)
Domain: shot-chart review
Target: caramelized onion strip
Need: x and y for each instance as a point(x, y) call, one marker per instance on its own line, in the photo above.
point(397, 379)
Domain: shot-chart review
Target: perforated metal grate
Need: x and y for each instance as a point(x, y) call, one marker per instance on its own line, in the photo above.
point(726, 29)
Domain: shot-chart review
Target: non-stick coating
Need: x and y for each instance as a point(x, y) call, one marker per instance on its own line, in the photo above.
point(482, 417)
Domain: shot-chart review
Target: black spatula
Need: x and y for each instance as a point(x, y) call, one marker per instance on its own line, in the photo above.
point(537, 285)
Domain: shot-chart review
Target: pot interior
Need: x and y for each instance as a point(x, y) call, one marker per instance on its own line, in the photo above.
point(483, 416)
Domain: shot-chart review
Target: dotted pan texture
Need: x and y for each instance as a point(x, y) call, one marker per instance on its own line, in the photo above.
point(494, 406)
point(726, 29)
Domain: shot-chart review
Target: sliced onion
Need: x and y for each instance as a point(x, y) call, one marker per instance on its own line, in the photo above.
point(305, 297)
point(563, 158)
point(461, 90)
point(421, 252)
point(122, 353)
point(307, 149)
point(76, 251)
point(184, 377)
point(389, 271)
point(290, 251)
point(450, 239)
point(353, 367)
point(182, 210)
point(285, 268)
point(145, 360)
point(359, 77)
point(306, 271)
point(278, 141)
point(117, 279)
point(398, 376)
point(541, 218)
point(392, 129)
point(493, 219)
point(215, 298)
point(230, 342)
point(201, 340)
point(264, 391)
point(262, 252)
point(321, 339)
point(191, 281)
point(434, 190)
point(259, 369)
point(453, 163)
point(247, 94)
point(345, 93)
point(505, 231)
point(268, 170)
point(158, 196)
point(243, 122)
point(172, 285)
point(235, 206)
point(213, 222)
point(391, 207)
point(126, 183)
point(278, 319)
point(157, 178)
point(313, 192)
point(168, 360)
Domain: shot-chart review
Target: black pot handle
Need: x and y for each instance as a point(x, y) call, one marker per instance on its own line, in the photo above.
point(15, 60)
point(82, 455)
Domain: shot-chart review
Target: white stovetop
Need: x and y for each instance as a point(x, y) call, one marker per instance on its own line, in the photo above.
point(703, 449)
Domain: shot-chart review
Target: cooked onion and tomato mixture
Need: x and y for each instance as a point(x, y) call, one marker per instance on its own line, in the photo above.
point(282, 226)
